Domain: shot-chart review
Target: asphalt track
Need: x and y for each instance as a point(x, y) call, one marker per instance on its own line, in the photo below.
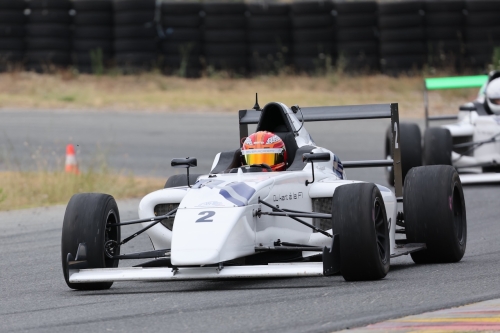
point(34, 297)
point(144, 143)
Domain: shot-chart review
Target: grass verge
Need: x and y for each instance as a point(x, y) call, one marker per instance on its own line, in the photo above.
point(155, 92)
point(20, 189)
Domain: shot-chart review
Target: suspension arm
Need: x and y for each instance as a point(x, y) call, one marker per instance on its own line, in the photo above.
point(293, 217)
point(149, 219)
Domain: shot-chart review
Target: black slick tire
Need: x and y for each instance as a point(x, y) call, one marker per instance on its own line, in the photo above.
point(85, 221)
point(434, 211)
point(411, 147)
point(360, 220)
point(410, 141)
point(389, 171)
point(437, 146)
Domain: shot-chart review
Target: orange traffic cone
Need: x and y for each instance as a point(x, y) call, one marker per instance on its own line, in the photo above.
point(71, 164)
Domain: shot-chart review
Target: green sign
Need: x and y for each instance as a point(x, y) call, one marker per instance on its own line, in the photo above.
point(455, 82)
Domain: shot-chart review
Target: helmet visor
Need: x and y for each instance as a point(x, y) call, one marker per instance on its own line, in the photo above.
point(495, 101)
point(263, 156)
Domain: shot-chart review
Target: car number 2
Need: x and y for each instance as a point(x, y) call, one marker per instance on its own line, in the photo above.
point(207, 215)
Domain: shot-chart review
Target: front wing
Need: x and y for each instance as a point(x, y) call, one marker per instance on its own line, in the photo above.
point(329, 266)
point(195, 273)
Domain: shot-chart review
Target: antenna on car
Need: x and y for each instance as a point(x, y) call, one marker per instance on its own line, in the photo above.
point(256, 107)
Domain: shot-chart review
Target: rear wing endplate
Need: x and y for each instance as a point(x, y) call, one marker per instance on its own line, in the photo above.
point(453, 82)
point(347, 112)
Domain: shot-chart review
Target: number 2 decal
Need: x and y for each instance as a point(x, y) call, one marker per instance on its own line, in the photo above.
point(396, 146)
point(207, 214)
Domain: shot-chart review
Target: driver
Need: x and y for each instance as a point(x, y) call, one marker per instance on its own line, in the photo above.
point(493, 96)
point(264, 148)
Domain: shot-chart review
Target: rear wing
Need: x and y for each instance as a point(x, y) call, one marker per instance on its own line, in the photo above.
point(453, 82)
point(348, 112)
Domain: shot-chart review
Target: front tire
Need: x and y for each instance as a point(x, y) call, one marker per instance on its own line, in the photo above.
point(360, 219)
point(86, 221)
point(434, 211)
point(181, 180)
point(437, 146)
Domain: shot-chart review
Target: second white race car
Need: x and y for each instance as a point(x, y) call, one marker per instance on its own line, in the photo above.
point(242, 221)
point(471, 144)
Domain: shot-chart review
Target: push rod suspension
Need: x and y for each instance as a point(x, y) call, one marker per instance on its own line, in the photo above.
point(129, 238)
point(474, 145)
point(469, 144)
point(288, 248)
point(302, 214)
point(154, 220)
point(149, 219)
point(295, 218)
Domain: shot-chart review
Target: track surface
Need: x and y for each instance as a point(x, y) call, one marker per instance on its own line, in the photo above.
point(35, 298)
point(145, 143)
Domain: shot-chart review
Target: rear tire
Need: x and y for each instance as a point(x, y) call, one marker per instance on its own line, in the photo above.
point(434, 210)
point(360, 219)
point(437, 146)
point(389, 171)
point(85, 220)
point(411, 149)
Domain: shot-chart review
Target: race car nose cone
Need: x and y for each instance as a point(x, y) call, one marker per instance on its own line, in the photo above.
point(195, 257)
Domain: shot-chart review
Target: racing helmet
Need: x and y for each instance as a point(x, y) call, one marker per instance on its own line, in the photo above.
point(264, 148)
point(493, 95)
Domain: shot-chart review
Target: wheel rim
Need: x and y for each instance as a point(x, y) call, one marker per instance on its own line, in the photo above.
point(111, 238)
point(380, 230)
point(458, 216)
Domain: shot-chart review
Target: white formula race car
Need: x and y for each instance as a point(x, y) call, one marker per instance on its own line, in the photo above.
point(241, 221)
point(471, 145)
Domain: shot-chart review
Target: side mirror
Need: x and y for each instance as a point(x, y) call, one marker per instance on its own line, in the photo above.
point(311, 157)
point(186, 163)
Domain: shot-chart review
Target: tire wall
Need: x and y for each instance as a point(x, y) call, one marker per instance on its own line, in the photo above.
point(48, 34)
point(481, 32)
point(401, 29)
point(313, 34)
point(444, 29)
point(135, 42)
point(181, 46)
point(224, 37)
point(92, 48)
point(269, 37)
point(12, 34)
point(189, 38)
point(356, 35)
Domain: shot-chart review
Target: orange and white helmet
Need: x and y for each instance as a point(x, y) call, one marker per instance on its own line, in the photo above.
point(264, 148)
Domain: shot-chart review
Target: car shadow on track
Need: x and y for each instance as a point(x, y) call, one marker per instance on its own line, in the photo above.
point(217, 285)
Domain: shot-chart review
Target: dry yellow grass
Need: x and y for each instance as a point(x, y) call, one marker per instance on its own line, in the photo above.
point(155, 92)
point(34, 189)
